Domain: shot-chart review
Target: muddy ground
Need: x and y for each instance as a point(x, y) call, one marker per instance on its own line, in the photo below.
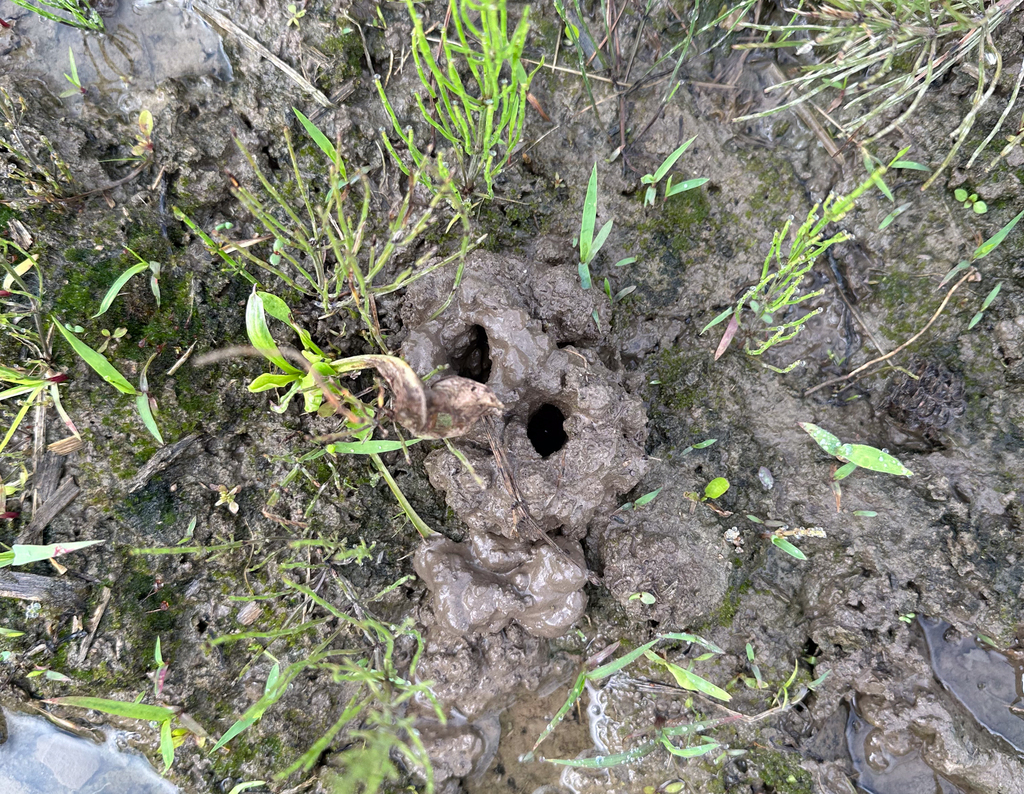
point(508, 622)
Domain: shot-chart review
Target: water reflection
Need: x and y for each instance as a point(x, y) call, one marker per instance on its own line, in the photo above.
point(38, 758)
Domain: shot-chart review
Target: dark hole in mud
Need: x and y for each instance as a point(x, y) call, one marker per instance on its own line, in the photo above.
point(472, 355)
point(546, 430)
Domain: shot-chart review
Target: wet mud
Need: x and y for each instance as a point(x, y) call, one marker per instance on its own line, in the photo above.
point(603, 402)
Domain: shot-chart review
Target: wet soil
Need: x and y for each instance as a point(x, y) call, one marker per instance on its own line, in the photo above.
point(605, 402)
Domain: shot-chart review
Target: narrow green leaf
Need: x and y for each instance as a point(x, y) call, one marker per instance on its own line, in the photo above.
point(670, 161)
point(894, 215)
point(115, 288)
point(605, 761)
point(788, 547)
point(589, 218)
point(318, 137)
point(909, 164)
point(602, 235)
point(369, 447)
point(615, 665)
point(687, 184)
point(97, 361)
point(993, 242)
point(865, 513)
point(10, 633)
point(688, 752)
point(684, 637)
point(117, 708)
point(991, 296)
point(166, 744)
point(23, 555)
point(705, 443)
point(623, 262)
point(961, 266)
point(718, 319)
point(647, 498)
point(246, 786)
point(584, 271)
point(975, 320)
point(145, 409)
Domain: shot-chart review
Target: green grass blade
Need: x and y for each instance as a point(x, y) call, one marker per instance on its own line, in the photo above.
point(23, 555)
point(320, 140)
point(599, 241)
point(684, 637)
point(166, 744)
point(687, 184)
point(146, 414)
point(117, 708)
point(993, 242)
point(97, 361)
point(670, 161)
point(615, 665)
point(370, 447)
point(606, 761)
point(115, 288)
point(688, 752)
point(574, 695)
point(589, 218)
point(788, 547)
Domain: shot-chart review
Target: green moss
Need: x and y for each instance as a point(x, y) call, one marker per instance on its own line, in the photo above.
point(781, 772)
point(726, 612)
point(346, 50)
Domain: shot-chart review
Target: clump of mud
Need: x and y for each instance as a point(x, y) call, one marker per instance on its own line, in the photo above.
point(573, 435)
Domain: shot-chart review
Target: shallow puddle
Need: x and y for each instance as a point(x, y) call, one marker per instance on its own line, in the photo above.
point(880, 771)
point(988, 683)
point(142, 47)
point(38, 758)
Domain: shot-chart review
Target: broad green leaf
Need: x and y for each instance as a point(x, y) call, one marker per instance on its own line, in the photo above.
point(117, 708)
point(825, 439)
point(369, 447)
point(166, 744)
point(993, 242)
point(97, 361)
point(115, 288)
point(670, 161)
point(270, 381)
point(279, 310)
point(871, 458)
point(689, 680)
point(716, 488)
point(145, 122)
point(960, 194)
point(23, 555)
point(647, 498)
point(260, 336)
point(788, 547)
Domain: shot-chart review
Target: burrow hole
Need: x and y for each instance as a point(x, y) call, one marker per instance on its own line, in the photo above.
point(471, 355)
point(546, 429)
